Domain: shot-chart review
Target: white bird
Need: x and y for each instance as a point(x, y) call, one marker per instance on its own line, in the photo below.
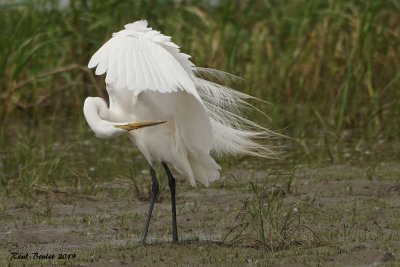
point(151, 83)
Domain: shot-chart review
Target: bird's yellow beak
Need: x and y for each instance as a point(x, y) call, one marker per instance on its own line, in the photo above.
point(137, 125)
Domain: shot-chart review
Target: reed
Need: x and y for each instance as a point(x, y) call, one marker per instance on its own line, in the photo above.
point(339, 58)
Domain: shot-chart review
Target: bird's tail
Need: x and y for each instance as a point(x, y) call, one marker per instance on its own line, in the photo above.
point(233, 133)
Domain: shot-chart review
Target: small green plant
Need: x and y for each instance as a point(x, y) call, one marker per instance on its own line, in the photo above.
point(30, 164)
point(266, 220)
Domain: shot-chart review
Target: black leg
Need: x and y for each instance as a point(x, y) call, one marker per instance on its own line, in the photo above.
point(171, 183)
point(154, 192)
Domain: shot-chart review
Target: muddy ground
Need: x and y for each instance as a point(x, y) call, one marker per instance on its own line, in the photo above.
point(352, 218)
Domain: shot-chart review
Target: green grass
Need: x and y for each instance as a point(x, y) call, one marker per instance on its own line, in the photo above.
point(269, 222)
point(338, 59)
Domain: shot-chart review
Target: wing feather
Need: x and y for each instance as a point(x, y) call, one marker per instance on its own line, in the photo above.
point(139, 59)
point(112, 66)
point(164, 69)
point(143, 66)
point(130, 70)
point(150, 68)
point(156, 70)
point(138, 71)
point(103, 62)
point(121, 80)
point(95, 59)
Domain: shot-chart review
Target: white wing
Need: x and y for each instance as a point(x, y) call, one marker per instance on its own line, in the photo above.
point(139, 58)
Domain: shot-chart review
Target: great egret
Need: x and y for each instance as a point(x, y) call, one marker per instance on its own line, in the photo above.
point(151, 83)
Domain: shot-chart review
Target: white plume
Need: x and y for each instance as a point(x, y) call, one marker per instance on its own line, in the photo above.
point(233, 133)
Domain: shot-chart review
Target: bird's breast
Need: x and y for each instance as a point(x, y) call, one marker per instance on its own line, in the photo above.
point(156, 143)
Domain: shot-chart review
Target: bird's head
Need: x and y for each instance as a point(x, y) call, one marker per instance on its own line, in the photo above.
point(97, 116)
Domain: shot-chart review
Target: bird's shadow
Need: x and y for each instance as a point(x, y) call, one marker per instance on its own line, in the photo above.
point(191, 242)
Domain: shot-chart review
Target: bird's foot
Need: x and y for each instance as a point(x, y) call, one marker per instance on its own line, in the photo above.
point(175, 237)
point(143, 241)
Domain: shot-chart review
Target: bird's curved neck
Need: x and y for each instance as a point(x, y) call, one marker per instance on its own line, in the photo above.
point(98, 117)
point(95, 109)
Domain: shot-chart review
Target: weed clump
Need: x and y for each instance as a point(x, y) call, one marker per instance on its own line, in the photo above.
point(267, 220)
